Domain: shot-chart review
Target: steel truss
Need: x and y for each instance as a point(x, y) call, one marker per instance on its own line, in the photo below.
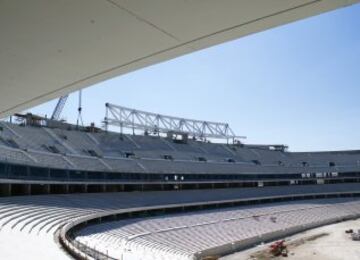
point(124, 117)
point(59, 107)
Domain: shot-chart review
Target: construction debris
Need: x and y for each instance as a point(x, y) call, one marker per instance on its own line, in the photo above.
point(279, 248)
point(349, 231)
point(356, 235)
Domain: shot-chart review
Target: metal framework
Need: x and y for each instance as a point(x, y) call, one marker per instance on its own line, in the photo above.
point(59, 107)
point(124, 117)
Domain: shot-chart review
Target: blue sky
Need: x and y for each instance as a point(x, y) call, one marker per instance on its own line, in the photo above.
point(297, 84)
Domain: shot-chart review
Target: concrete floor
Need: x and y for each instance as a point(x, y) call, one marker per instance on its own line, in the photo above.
point(336, 245)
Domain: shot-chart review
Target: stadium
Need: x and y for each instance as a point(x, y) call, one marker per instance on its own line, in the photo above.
point(141, 195)
point(152, 186)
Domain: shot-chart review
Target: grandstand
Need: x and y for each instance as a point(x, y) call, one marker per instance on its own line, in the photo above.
point(188, 236)
point(107, 194)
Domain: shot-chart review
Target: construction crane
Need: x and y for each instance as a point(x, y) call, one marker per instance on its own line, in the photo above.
point(59, 107)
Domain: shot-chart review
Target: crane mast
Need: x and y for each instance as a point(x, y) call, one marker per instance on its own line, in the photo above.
point(59, 107)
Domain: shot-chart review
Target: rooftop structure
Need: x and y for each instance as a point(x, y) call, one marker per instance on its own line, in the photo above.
point(124, 117)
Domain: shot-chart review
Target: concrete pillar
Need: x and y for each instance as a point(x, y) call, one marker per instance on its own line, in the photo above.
point(66, 187)
point(28, 189)
point(47, 188)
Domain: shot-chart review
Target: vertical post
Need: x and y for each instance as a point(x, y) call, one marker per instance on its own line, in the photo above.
point(132, 121)
point(28, 189)
point(157, 124)
point(79, 119)
point(106, 117)
point(47, 188)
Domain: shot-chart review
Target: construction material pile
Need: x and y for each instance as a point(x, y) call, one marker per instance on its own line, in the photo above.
point(279, 248)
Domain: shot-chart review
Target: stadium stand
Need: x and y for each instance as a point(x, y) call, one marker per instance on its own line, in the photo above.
point(82, 151)
point(188, 236)
point(29, 212)
point(125, 177)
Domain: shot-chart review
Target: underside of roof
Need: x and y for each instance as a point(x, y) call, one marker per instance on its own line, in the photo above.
point(50, 48)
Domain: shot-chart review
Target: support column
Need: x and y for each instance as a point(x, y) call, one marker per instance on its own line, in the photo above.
point(47, 188)
point(66, 187)
point(28, 189)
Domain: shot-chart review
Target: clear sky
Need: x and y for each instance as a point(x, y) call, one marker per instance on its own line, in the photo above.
point(297, 84)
